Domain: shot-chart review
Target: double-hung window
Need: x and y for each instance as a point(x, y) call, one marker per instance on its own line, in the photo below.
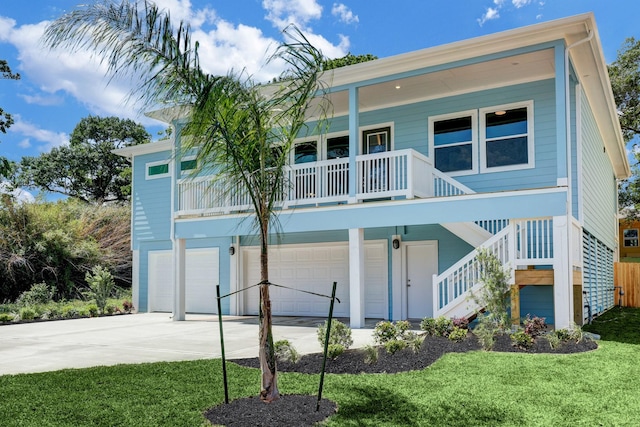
point(454, 141)
point(506, 137)
point(630, 237)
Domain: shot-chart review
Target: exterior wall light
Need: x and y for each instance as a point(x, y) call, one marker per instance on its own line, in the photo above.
point(232, 250)
point(395, 243)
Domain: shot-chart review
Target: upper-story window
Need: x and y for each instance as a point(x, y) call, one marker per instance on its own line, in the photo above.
point(506, 135)
point(154, 170)
point(630, 237)
point(454, 142)
point(188, 164)
point(491, 139)
point(329, 148)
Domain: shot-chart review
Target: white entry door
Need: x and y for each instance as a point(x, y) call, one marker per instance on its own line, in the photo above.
point(421, 264)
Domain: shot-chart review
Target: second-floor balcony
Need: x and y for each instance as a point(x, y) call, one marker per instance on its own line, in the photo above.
point(402, 174)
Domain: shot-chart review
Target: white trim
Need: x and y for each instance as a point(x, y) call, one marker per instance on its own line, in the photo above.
point(474, 139)
point(396, 278)
point(530, 137)
point(579, 160)
point(135, 280)
point(158, 163)
point(149, 148)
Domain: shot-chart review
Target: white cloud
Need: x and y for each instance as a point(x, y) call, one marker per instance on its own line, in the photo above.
point(49, 138)
point(281, 13)
point(20, 195)
point(25, 143)
point(344, 13)
point(223, 46)
point(491, 13)
point(520, 3)
point(44, 100)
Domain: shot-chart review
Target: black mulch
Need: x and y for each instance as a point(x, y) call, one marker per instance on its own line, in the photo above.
point(299, 410)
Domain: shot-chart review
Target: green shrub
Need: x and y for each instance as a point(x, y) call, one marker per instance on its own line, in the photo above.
point(428, 325)
point(370, 354)
point(285, 351)
point(443, 326)
point(386, 331)
point(395, 345)
point(69, 311)
point(339, 334)
point(334, 350)
point(415, 343)
point(92, 310)
point(554, 340)
point(492, 296)
point(27, 313)
point(6, 317)
point(458, 334)
point(39, 293)
point(110, 309)
point(522, 340)
point(574, 333)
point(101, 286)
point(486, 335)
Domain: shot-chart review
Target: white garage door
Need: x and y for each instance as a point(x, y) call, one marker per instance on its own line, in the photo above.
point(201, 277)
point(314, 268)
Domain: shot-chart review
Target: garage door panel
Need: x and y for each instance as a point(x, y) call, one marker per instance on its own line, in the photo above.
point(201, 277)
point(314, 268)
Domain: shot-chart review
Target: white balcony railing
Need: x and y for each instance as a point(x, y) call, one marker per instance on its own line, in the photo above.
point(403, 174)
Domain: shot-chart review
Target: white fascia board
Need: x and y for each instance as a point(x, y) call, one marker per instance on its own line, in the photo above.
point(170, 114)
point(151, 147)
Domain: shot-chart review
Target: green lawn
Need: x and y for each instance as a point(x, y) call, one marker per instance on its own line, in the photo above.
point(480, 388)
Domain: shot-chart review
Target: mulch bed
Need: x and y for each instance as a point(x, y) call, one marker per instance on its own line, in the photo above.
point(300, 410)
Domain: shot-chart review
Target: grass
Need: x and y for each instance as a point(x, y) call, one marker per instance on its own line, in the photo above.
point(479, 388)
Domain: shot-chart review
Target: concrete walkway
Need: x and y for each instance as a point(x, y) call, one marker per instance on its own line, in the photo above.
point(147, 337)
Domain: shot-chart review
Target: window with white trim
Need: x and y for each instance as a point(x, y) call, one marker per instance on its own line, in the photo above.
point(630, 237)
point(188, 164)
point(506, 137)
point(455, 143)
point(155, 170)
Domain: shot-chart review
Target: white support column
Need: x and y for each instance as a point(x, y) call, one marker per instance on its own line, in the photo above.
point(135, 281)
point(354, 145)
point(234, 263)
point(563, 274)
point(179, 288)
point(356, 277)
point(396, 278)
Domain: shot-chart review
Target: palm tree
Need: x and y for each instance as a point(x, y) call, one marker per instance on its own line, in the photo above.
point(242, 131)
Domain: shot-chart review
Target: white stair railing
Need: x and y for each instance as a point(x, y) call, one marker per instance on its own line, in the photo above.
point(452, 289)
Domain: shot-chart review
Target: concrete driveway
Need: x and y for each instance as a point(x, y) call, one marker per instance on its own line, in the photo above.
point(147, 337)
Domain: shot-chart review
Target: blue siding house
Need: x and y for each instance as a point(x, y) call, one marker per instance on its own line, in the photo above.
point(508, 142)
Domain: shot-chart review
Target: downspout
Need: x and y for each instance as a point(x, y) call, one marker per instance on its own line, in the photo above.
point(567, 100)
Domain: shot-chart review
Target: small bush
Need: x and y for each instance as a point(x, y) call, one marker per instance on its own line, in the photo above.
point(69, 312)
point(415, 344)
point(384, 332)
point(554, 340)
point(522, 340)
point(39, 293)
point(460, 322)
point(286, 352)
point(574, 333)
point(428, 325)
point(534, 326)
point(101, 286)
point(486, 335)
point(394, 346)
point(6, 317)
point(335, 350)
point(92, 310)
point(127, 306)
point(458, 334)
point(370, 355)
point(27, 313)
point(339, 334)
point(443, 326)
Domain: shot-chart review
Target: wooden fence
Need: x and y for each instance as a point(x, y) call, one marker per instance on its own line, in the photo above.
point(627, 275)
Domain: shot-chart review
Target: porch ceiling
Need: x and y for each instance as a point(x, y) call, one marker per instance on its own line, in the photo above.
point(515, 69)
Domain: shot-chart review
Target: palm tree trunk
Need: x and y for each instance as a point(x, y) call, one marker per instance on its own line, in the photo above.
point(269, 387)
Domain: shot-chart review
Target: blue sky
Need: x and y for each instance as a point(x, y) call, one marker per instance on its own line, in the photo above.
point(58, 89)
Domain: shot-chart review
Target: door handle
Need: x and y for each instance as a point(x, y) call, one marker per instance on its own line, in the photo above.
point(408, 283)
